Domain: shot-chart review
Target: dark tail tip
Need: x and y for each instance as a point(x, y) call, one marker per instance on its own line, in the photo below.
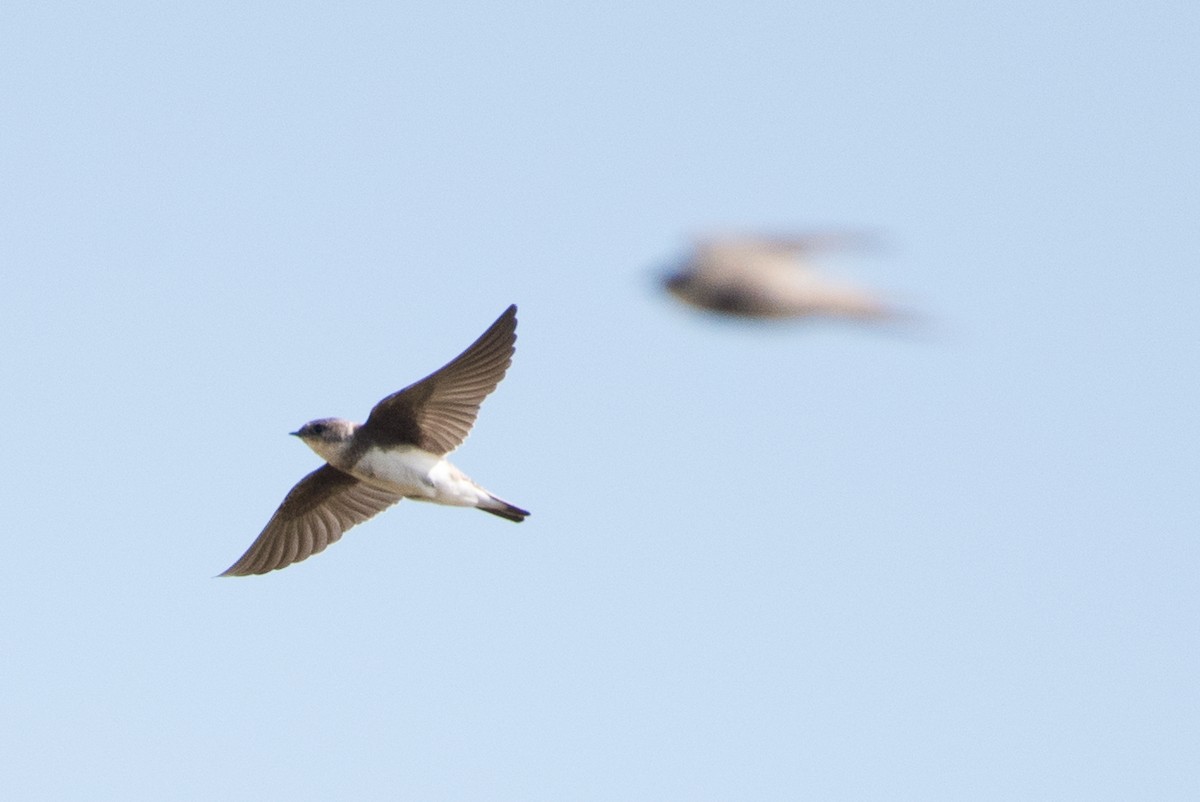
point(508, 512)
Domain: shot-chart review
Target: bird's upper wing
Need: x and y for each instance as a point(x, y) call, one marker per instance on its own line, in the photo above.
point(829, 240)
point(314, 514)
point(437, 412)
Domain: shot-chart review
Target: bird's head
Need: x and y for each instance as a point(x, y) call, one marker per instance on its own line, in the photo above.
point(327, 436)
point(676, 276)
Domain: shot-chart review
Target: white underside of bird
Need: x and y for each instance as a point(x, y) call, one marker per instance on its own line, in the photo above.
point(417, 474)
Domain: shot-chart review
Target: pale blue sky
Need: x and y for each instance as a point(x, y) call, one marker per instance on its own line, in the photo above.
point(783, 562)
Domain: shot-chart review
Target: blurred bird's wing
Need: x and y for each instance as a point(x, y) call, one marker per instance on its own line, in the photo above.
point(793, 244)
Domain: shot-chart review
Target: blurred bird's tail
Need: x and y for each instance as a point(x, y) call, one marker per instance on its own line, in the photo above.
point(502, 508)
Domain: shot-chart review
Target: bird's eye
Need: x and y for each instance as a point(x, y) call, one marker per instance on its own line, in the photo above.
point(318, 428)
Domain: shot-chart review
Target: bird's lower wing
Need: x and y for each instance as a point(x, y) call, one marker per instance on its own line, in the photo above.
point(314, 514)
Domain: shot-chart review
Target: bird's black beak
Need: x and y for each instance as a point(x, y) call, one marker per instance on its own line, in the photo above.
point(294, 434)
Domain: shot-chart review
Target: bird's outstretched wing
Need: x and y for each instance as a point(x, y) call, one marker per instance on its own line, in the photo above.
point(314, 514)
point(437, 412)
point(795, 244)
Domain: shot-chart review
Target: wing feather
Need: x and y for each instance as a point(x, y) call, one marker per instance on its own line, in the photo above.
point(437, 412)
point(317, 511)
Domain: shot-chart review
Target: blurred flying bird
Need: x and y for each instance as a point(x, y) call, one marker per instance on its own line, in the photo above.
point(398, 453)
point(772, 277)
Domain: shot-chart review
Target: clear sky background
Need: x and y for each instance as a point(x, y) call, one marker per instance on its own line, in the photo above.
point(764, 562)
